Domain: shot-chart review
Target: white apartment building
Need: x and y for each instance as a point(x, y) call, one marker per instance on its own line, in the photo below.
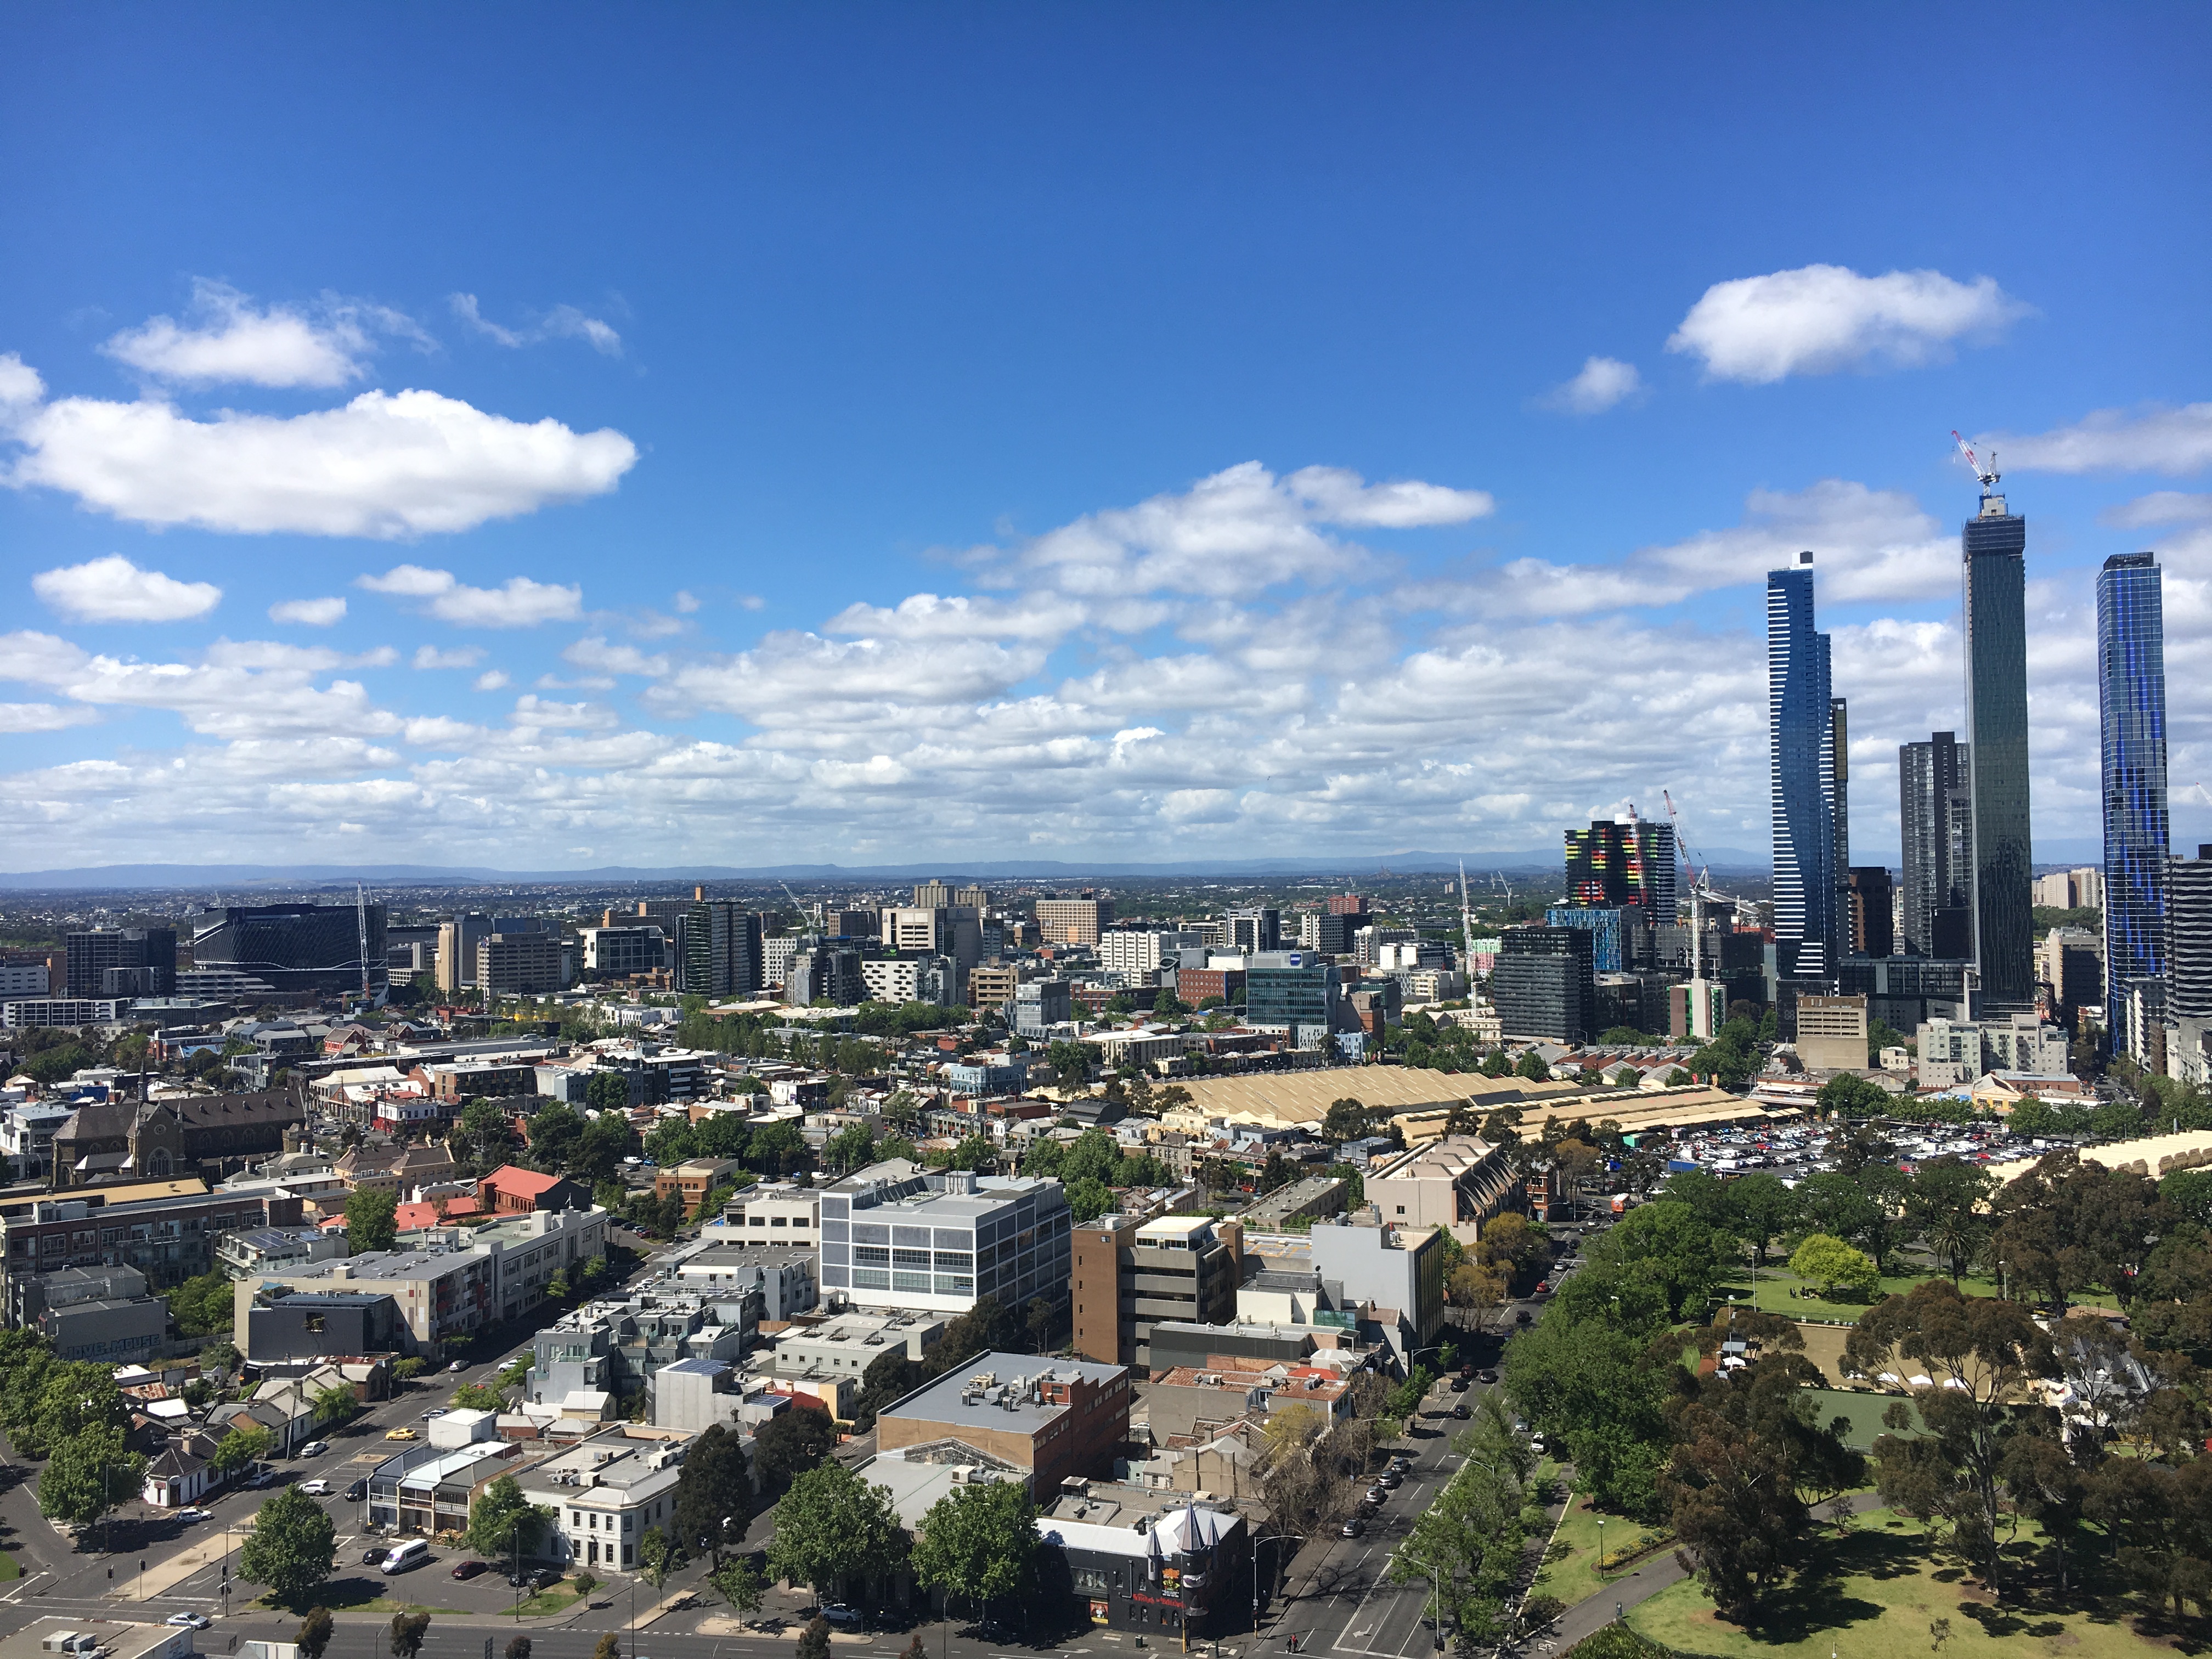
point(1140, 953)
point(774, 1212)
point(892, 979)
point(23, 979)
point(26, 1134)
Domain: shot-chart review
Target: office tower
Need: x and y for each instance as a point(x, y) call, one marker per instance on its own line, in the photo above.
point(121, 962)
point(1256, 927)
point(1347, 904)
point(932, 895)
point(1329, 932)
point(296, 948)
point(458, 940)
point(1993, 548)
point(722, 950)
point(1629, 860)
point(1544, 984)
point(976, 898)
point(1801, 772)
point(1839, 814)
point(2189, 967)
point(1073, 921)
point(2131, 722)
point(1934, 811)
point(1867, 887)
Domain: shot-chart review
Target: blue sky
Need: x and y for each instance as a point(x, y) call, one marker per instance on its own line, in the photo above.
point(866, 434)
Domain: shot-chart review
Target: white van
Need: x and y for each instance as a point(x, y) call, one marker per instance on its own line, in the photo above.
point(413, 1552)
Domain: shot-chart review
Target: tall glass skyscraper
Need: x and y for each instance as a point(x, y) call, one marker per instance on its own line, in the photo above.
point(1802, 776)
point(1994, 548)
point(1935, 813)
point(2131, 717)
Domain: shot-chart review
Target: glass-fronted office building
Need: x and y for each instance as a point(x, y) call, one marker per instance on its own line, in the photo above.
point(941, 1239)
point(1994, 564)
point(2131, 722)
point(1801, 774)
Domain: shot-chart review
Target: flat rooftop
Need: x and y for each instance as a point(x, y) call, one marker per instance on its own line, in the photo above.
point(1008, 1400)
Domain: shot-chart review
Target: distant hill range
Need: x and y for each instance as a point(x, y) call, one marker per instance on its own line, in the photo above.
point(232, 876)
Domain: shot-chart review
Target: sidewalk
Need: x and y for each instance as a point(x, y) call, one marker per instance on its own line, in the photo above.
point(164, 1576)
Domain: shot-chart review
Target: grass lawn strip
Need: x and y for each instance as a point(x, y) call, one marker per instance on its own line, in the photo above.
point(9, 1567)
point(562, 1595)
point(1877, 1602)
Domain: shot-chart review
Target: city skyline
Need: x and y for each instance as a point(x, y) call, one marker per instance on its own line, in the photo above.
point(764, 440)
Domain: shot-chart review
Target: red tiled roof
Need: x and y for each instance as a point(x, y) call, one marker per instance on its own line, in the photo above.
point(460, 1207)
point(511, 1178)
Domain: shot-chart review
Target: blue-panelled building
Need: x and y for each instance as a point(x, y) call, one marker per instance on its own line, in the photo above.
point(2131, 719)
point(1801, 777)
point(1608, 938)
point(1993, 568)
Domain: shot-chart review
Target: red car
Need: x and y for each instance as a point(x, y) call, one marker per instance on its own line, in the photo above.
point(469, 1568)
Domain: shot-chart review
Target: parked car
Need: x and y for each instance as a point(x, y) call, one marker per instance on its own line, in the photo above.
point(1391, 1478)
point(316, 1488)
point(843, 1617)
point(1459, 1385)
point(1488, 1377)
point(356, 1492)
point(1402, 1463)
point(469, 1568)
point(373, 1557)
point(266, 1478)
point(1459, 1410)
point(458, 1365)
point(1354, 1528)
point(189, 1620)
point(1377, 1494)
point(1523, 1317)
point(195, 1515)
point(401, 1434)
point(314, 1449)
point(1543, 1287)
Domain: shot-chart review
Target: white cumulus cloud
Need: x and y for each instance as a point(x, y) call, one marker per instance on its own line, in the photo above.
point(1602, 383)
point(227, 339)
point(517, 603)
point(1820, 319)
point(2170, 440)
point(1237, 533)
point(18, 717)
point(311, 613)
point(386, 465)
point(113, 589)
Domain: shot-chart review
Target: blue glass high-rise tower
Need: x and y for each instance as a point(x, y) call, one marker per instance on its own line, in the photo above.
point(2131, 717)
point(1801, 777)
point(1994, 549)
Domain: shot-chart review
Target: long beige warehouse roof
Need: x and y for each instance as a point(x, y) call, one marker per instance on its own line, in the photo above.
point(1421, 1099)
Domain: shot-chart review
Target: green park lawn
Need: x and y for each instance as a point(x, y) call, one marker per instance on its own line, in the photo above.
point(1881, 1590)
point(1575, 1576)
point(1864, 1411)
point(9, 1567)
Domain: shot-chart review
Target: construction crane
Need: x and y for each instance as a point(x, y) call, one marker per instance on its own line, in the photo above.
point(1466, 928)
point(1987, 475)
point(803, 913)
point(1498, 880)
point(1701, 889)
point(360, 923)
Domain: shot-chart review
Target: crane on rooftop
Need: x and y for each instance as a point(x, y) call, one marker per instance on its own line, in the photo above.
point(1987, 475)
